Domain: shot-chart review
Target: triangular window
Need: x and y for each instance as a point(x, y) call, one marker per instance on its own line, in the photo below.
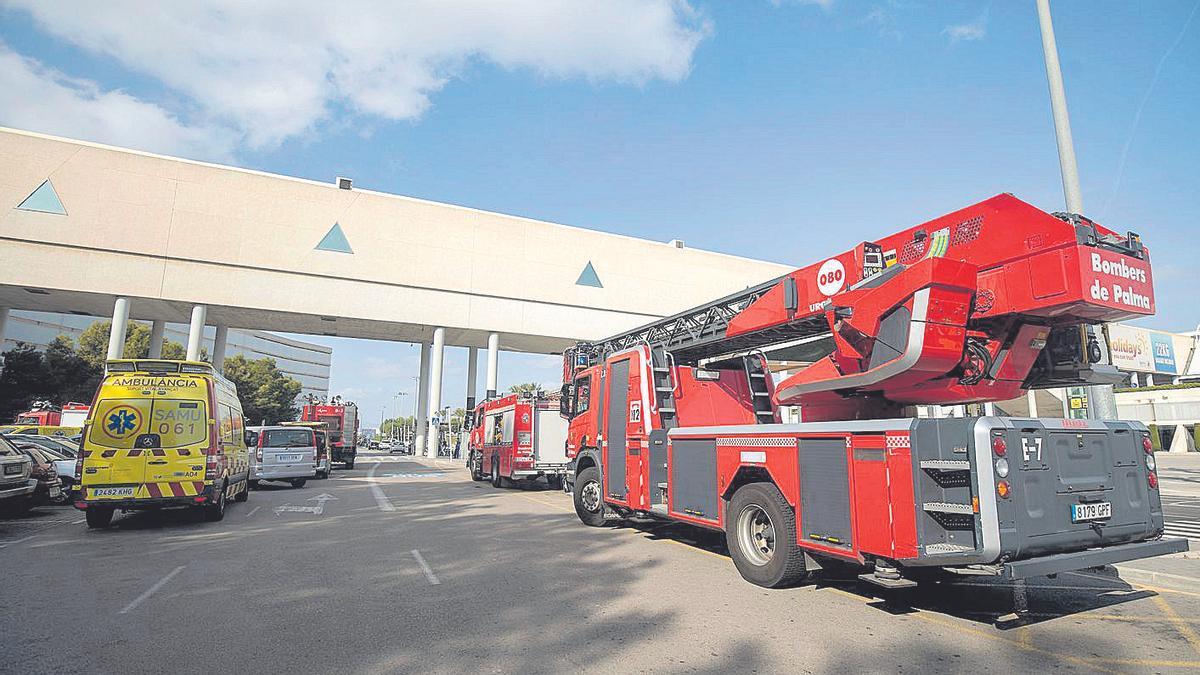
point(44, 200)
point(589, 277)
point(335, 240)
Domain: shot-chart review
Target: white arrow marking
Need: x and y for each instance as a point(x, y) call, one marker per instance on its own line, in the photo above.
point(323, 497)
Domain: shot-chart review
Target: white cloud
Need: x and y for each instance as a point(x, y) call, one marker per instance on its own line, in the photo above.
point(51, 102)
point(274, 69)
point(967, 32)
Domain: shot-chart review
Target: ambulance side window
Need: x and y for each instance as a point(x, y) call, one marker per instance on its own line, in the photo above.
point(225, 423)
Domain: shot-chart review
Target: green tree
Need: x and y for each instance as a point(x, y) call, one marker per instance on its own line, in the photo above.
point(527, 389)
point(23, 380)
point(266, 393)
point(70, 376)
point(398, 423)
point(93, 344)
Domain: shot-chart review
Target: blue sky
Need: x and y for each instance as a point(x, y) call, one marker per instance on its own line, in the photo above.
point(783, 130)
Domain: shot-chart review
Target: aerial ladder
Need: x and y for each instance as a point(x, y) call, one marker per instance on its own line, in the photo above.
point(678, 419)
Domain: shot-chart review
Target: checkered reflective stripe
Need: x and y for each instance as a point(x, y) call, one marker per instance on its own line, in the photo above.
point(190, 488)
point(757, 441)
point(897, 441)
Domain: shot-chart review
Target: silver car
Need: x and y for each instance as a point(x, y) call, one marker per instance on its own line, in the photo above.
point(281, 453)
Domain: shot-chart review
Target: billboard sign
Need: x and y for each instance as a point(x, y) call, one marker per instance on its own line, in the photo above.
point(1141, 350)
point(1163, 348)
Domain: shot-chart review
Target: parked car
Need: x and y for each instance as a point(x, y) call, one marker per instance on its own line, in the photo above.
point(282, 453)
point(49, 488)
point(16, 480)
point(63, 465)
point(59, 445)
point(373, 445)
point(385, 445)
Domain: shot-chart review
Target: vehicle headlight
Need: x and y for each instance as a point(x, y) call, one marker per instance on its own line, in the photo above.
point(1150, 463)
point(1002, 467)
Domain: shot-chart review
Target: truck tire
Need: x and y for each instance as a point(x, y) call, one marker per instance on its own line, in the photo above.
point(497, 480)
point(476, 466)
point(299, 482)
point(216, 510)
point(589, 497)
point(554, 482)
point(98, 516)
point(760, 531)
point(244, 493)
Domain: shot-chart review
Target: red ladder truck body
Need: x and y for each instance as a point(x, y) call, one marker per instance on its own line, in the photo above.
point(679, 419)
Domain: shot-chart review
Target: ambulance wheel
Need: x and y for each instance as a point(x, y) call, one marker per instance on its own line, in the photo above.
point(244, 493)
point(760, 531)
point(589, 497)
point(299, 482)
point(216, 510)
point(98, 517)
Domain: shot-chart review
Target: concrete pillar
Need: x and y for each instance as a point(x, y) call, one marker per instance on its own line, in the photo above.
point(493, 364)
point(116, 334)
point(3, 325)
point(422, 422)
point(435, 388)
point(219, 343)
point(196, 332)
point(157, 330)
point(1031, 399)
point(472, 376)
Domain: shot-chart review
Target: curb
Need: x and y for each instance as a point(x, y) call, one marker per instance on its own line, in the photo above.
point(1164, 579)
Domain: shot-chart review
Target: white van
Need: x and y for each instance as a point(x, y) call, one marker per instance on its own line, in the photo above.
point(281, 453)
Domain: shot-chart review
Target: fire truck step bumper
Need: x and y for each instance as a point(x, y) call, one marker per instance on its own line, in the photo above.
point(1067, 562)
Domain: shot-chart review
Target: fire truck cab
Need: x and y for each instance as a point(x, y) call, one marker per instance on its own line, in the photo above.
point(517, 437)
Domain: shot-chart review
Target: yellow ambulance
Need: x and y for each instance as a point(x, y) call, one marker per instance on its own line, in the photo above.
point(161, 434)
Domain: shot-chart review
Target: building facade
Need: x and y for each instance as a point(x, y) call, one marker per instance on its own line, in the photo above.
point(304, 362)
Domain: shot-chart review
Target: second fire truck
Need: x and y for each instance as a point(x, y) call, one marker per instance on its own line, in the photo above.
point(517, 438)
point(678, 419)
point(341, 421)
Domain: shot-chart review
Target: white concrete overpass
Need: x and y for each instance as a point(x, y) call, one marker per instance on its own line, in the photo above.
point(90, 229)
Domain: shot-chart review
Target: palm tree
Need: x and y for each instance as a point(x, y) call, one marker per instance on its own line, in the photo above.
point(527, 389)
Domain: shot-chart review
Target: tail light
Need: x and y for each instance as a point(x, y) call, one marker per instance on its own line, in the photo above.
point(79, 468)
point(1152, 478)
point(1147, 445)
point(999, 446)
point(1003, 489)
point(211, 468)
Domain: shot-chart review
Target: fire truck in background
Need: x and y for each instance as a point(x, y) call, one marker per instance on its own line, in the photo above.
point(518, 437)
point(341, 420)
point(46, 419)
point(678, 419)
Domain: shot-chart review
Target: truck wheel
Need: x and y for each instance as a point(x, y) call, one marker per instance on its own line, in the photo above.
point(98, 516)
point(554, 482)
point(299, 482)
point(244, 493)
point(476, 469)
point(216, 510)
point(497, 479)
point(760, 531)
point(589, 497)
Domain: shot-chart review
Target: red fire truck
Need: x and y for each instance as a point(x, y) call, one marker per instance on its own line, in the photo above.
point(678, 419)
point(341, 419)
point(45, 414)
point(517, 437)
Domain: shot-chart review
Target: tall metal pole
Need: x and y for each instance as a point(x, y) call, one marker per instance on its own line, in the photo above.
point(1102, 403)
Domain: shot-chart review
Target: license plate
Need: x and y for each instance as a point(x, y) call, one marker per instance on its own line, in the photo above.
point(287, 459)
point(113, 492)
point(11, 469)
point(1093, 511)
point(55, 492)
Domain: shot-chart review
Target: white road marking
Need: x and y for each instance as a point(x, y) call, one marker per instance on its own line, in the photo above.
point(17, 541)
point(288, 508)
point(253, 510)
point(152, 590)
point(429, 575)
point(380, 498)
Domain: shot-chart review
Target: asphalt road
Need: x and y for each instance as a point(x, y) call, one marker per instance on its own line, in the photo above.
point(407, 566)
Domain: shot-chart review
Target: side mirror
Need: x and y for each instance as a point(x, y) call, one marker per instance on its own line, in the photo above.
point(565, 407)
point(250, 438)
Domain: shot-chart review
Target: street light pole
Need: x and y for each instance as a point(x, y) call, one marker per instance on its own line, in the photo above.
point(1102, 402)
